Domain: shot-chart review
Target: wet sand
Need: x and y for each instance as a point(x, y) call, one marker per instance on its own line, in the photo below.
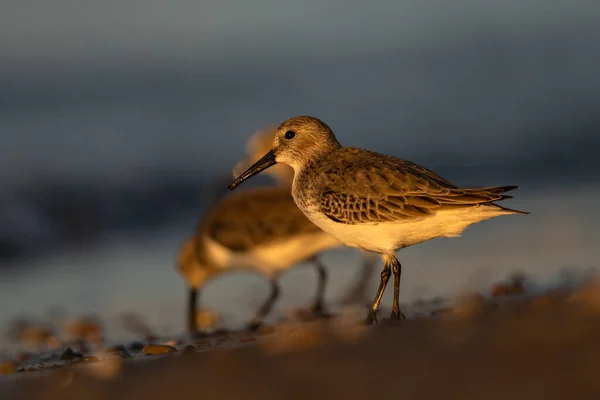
point(541, 348)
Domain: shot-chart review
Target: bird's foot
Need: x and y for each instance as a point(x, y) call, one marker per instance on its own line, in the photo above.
point(254, 326)
point(371, 318)
point(397, 315)
point(318, 311)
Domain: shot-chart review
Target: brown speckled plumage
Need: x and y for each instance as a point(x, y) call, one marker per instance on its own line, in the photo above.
point(367, 187)
point(255, 217)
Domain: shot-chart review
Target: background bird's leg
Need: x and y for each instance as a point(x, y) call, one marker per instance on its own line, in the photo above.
point(357, 292)
point(266, 307)
point(192, 327)
point(385, 277)
point(318, 308)
point(397, 268)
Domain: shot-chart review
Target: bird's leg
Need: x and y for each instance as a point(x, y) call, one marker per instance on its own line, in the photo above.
point(397, 268)
point(385, 277)
point(266, 307)
point(192, 327)
point(318, 308)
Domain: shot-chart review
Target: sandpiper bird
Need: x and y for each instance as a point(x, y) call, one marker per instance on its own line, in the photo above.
point(260, 230)
point(372, 201)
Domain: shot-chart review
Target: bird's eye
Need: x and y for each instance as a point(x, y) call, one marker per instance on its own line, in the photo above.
point(289, 135)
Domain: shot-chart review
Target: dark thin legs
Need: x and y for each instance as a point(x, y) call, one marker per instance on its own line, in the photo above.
point(397, 268)
point(318, 308)
point(191, 318)
point(385, 277)
point(266, 307)
point(391, 263)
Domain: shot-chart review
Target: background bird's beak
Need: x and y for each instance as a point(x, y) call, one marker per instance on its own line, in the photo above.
point(267, 161)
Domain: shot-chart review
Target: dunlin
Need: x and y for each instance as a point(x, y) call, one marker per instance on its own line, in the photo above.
point(260, 230)
point(372, 201)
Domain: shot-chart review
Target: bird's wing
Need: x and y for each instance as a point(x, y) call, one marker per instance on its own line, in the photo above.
point(255, 217)
point(363, 187)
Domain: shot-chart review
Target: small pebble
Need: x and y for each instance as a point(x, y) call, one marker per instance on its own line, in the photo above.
point(27, 369)
point(119, 351)
point(153, 349)
point(189, 349)
point(8, 367)
point(136, 346)
point(69, 354)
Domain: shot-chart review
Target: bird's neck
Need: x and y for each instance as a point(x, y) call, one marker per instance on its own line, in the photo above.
point(315, 156)
point(314, 159)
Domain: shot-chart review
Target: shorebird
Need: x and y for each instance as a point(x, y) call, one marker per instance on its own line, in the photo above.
point(372, 201)
point(260, 230)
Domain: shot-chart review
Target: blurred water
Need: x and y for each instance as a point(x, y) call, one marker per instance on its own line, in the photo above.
point(98, 93)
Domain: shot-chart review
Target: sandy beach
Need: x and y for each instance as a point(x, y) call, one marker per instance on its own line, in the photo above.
point(543, 347)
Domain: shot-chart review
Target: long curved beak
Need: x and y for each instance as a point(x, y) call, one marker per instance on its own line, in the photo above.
point(267, 161)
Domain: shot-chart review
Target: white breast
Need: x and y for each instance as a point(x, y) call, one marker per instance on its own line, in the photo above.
point(273, 257)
